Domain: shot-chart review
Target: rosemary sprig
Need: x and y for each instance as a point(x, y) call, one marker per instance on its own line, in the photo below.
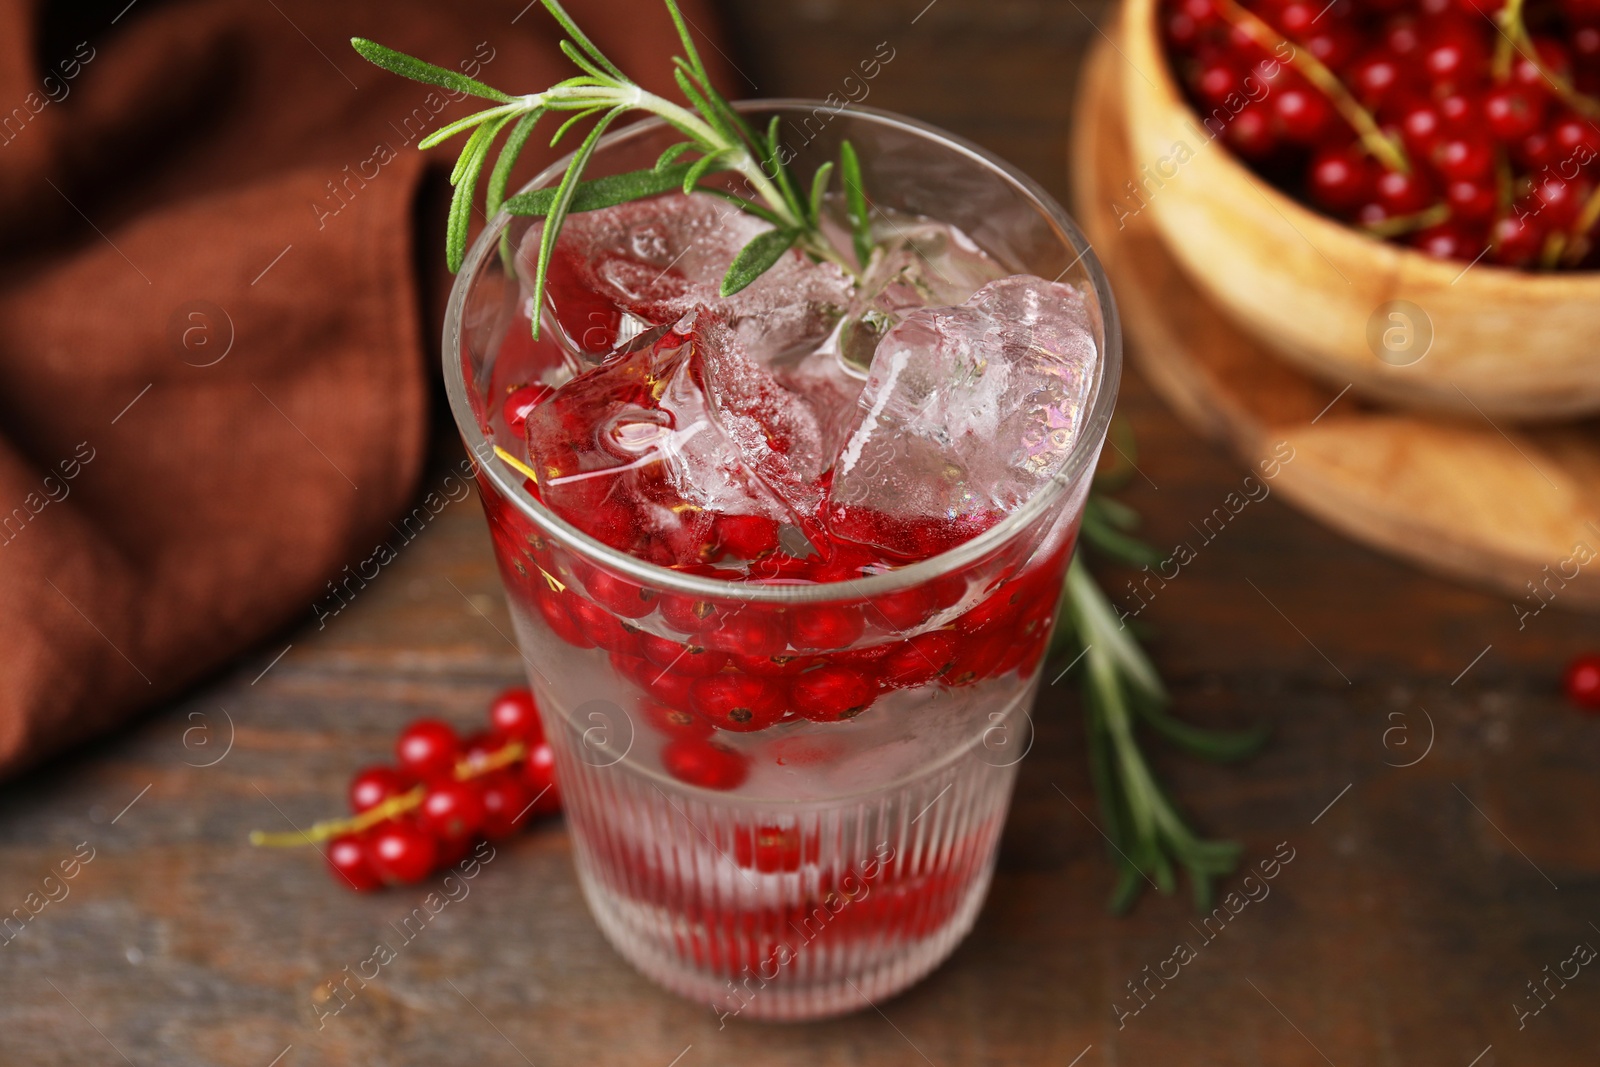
point(1122, 689)
point(718, 140)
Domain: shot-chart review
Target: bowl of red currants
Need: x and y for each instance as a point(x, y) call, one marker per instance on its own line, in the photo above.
point(1399, 195)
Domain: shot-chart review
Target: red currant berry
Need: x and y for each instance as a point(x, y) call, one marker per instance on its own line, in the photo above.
point(998, 609)
point(428, 748)
point(507, 805)
point(1586, 38)
point(825, 627)
point(1459, 111)
point(347, 856)
point(1182, 33)
point(903, 610)
point(1576, 138)
point(674, 722)
point(1535, 152)
point(521, 402)
point(1216, 82)
point(1401, 35)
point(687, 659)
point(479, 748)
point(738, 702)
point(1471, 200)
point(1517, 240)
point(1512, 113)
point(373, 785)
point(1420, 125)
point(1463, 157)
point(552, 607)
point(400, 853)
point(1559, 200)
point(706, 764)
point(623, 596)
point(668, 686)
point(1526, 74)
point(770, 848)
point(1340, 179)
point(1293, 18)
point(977, 658)
point(690, 616)
point(601, 626)
point(783, 665)
point(1375, 78)
point(918, 660)
point(832, 694)
point(743, 537)
point(451, 810)
point(1204, 12)
point(1250, 133)
point(1449, 240)
point(539, 774)
point(514, 714)
point(1334, 44)
point(1403, 194)
point(1302, 114)
point(1582, 682)
point(750, 631)
point(1455, 53)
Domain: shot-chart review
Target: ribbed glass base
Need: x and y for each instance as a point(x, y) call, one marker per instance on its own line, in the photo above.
point(778, 909)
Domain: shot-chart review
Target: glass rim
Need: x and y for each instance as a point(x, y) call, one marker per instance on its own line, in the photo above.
point(1103, 396)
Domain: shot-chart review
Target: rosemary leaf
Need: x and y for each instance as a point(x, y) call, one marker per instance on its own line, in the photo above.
point(466, 188)
point(500, 177)
point(775, 167)
point(562, 204)
point(756, 258)
point(419, 71)
point(855, 199)
point(573, 121)
point(444, 133)
point(819, 189)
point(603, 192)
point(747, 206)
point(582, 40)
point(689, 50)
point(698, 169)
point(1223, 746)
point(672, 153)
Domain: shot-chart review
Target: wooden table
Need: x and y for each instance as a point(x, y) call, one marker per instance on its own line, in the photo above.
point(1420, 901)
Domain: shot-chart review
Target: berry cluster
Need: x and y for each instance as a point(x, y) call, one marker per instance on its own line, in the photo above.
point(1463, 128)
point(742, 667)
point(707, 665)
point(443, 793)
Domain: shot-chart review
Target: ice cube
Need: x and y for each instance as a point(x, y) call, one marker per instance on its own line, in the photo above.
point(918, 263)
point(622, 269)
point(676, 429)
point(967, 412)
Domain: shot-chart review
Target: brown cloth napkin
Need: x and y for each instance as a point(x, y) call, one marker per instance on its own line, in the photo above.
point(215, 339)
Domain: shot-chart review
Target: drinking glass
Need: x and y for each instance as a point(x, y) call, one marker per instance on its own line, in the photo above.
point(808, 868)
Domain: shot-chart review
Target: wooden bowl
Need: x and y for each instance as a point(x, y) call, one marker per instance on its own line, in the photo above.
point(1343, 306)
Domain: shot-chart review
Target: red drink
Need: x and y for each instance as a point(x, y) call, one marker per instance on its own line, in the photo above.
point(784, 566)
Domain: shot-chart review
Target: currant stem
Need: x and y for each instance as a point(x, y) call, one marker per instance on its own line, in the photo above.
point(1402, 224)
point(1578, 243)
point(1515, 33)
point(328, 829)
point(1377, 143)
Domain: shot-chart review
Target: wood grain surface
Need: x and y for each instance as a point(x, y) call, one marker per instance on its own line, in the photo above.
point(1419, 901)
